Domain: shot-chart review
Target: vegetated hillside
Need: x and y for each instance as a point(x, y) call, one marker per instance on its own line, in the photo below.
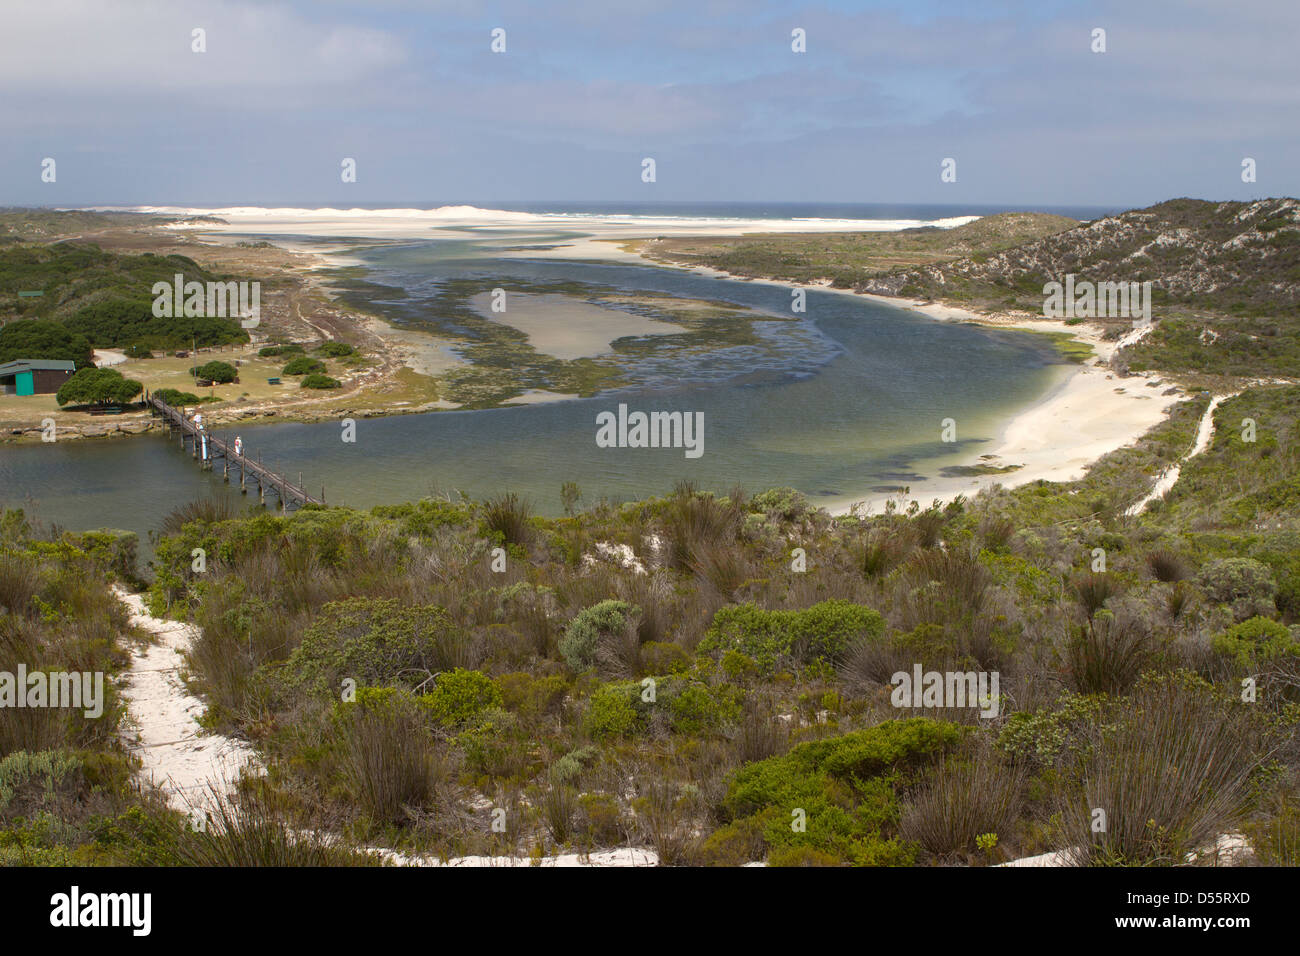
point(1225, 279)
point(527, 689)
point(104, 297)
point(847, 259)
point(43, 225)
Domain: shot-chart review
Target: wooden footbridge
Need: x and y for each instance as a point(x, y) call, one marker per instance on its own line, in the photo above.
point(287, 492)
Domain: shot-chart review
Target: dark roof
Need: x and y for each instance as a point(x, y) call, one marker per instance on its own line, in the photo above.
point(29, 365)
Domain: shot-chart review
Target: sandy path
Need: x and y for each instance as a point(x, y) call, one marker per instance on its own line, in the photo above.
point(178, 755)
point(187, 762)
point(107, 357)
point(1169, 477)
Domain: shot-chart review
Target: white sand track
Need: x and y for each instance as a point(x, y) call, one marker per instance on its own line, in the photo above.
point(178, 754)
point(1169, 477)
point(189, 764)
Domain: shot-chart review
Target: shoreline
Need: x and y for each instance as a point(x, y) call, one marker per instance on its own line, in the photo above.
point(1090, 411)
point(1093, 411)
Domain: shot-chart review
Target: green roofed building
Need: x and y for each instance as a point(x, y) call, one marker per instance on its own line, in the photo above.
point(34, 376)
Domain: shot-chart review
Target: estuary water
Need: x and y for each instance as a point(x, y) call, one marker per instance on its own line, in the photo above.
point(856, 409)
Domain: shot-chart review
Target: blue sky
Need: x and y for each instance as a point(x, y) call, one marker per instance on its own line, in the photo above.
point(709, 88)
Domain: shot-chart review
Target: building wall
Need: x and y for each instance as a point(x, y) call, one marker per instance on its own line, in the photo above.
point(47, 381)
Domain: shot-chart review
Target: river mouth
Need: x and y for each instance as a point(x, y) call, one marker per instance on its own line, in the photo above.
point(850, 399)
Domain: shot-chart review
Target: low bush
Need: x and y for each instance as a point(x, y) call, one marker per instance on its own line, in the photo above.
point(838, 796)
point(322, 382)
point(303, 366)
point(597, 634)
point(270, 351)
point(821, 633)
point(461, 695)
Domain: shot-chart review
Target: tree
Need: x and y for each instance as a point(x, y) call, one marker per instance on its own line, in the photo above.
point(98, 386)
point(43, 339)
point(219, 372)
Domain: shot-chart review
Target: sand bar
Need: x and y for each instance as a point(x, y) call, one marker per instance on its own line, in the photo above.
point(569, 328)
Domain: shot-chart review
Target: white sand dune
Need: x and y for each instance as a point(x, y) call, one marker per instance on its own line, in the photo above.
point(407, 223)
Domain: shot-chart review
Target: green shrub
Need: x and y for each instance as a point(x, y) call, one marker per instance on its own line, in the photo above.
point(698, 709)
point(822, 632)
point(270, 351)
point(1243, 583)
point(220, 372)
point(671, 702)
point(320, 382)
point(841, 789)
point(460, 695)
point(303, 366)
point(371, 641)
point(1254, 641)
point(661, 657)
point(893, 745)
point(336, 349)
point(495, 745)
point(1043, 737)
point(611, 713)
point(30, 782)
point(593, 627)
point(98, 386)
point(785, 503)
point(532, 697)
point(176, 398)
point(802, 856)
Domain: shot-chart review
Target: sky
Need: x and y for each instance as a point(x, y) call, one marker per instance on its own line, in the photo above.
point(711, 90)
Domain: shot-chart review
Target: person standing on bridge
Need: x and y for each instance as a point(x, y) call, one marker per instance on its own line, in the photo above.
point(203, 437)
point(239, 447)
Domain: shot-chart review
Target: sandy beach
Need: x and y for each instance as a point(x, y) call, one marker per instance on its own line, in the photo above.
point(1091, 412)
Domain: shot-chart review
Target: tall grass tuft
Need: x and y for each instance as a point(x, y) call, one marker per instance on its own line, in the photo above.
point(1093, 590)
point(206, 510)
point(389, 762)
point(245, 830)
point(1166, 565)
point(966, 796)
point(694, 521)
point(1107, 655)
point(20, 581)
point(510, 516)
point(1169, 774)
